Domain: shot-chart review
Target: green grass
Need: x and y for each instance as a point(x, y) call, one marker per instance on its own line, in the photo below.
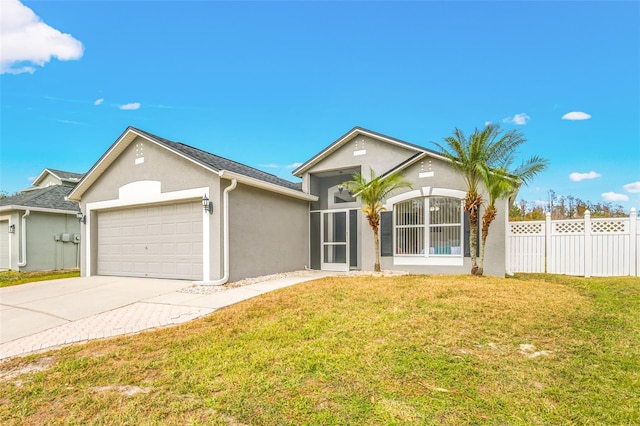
point(9, 278)
point(375, 351)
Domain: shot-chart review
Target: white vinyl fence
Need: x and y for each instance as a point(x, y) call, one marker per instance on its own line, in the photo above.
point(586, 247)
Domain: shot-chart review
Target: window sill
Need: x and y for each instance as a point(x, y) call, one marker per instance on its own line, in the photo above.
point(428, 261)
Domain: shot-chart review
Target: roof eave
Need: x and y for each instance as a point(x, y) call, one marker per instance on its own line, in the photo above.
point(36, 209)
point(128, 136)
point(41, 176)
point(350, 135)
point(257, 183)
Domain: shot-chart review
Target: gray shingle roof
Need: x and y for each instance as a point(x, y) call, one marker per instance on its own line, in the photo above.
point(220, 163)
point(50, 197)
point(67, 176)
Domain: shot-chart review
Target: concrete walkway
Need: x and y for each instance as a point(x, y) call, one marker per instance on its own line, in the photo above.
point(43, 315)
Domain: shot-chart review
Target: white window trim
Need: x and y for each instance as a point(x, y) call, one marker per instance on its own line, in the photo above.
point(428, 259)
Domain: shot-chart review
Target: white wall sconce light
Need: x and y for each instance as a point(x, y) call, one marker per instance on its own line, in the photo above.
point(12, 229)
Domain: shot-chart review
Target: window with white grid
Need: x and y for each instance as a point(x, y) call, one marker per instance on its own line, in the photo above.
point(429, 227)
point(445, 226)
point(409, 226)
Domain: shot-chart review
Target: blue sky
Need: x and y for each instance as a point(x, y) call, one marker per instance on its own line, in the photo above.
point(270, 84)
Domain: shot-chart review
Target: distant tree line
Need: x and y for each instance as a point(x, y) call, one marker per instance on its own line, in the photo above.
point(563, 207)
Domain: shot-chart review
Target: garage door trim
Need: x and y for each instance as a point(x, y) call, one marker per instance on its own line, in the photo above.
point(137, 194)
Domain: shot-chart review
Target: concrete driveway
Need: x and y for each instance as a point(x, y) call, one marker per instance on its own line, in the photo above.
point(46, 314)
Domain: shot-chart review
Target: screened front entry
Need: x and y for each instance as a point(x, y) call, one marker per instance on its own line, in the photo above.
point(334, 240)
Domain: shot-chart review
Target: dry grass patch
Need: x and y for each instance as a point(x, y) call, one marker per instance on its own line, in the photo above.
point(363, 350)
point(9, 278)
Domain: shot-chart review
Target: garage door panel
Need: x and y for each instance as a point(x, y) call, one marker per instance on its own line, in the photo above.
point(158, 241)
point(169, 228)
point(169, 249)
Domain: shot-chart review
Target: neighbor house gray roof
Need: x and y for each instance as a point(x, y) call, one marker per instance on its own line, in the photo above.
point(48, 198)
point(220, 163)
point(65, 177)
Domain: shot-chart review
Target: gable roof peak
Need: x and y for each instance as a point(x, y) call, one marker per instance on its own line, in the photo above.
point(211, 162)
point(62, 175)
point(354, 132)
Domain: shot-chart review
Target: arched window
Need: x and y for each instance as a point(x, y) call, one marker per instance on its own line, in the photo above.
point(429, 226)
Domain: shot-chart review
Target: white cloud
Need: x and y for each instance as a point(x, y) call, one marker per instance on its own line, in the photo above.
point(98, 101)
point(577, 177)
point(576, 115)
point(633, 187)
point(486, 123)
point(613, 196)
point(71, 122)
point(519, 119)
point(130, 107)
point(26, 41)
point(278, 166)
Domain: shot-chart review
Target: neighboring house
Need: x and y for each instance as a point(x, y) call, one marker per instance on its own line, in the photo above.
point(39, 229)
point(158, 208)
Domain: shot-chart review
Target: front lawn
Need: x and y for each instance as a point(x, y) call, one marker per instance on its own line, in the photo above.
point(8, 278)
point(535, 349)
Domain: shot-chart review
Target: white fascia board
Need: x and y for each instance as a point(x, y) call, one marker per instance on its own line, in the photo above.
point(337, 144)
point(257, 183)
point(116, 149)
point(37, 209)
point(37, 180)
point(328, 150)
point(415, 160)
point(101, 165)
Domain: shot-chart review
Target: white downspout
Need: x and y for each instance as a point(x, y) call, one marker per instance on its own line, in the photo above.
point(24, 239)
point(225, 233)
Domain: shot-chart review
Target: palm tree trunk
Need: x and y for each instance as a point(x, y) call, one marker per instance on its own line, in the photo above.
point(473, 237)
point(487, 218)
point(376, 238)
point(472, 205)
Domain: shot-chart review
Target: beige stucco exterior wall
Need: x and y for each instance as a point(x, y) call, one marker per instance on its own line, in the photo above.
point(436, 173)
point(380, 156)
point(446, 177)
point(175, 174)
point(269, 233)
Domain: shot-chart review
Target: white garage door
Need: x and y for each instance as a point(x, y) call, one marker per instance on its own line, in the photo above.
point(4, 244)
point(163, 241)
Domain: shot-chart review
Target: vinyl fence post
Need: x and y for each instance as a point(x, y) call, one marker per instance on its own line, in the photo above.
point(547, 245)
point(634, 268)
point(588, 250)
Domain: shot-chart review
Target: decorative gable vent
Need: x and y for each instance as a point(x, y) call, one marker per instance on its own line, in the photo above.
point(139, 153)
point(359, 148)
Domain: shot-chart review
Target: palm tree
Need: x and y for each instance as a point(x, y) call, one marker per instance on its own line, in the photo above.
point(372, 193)
point(501, 183)
point(475, 157)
